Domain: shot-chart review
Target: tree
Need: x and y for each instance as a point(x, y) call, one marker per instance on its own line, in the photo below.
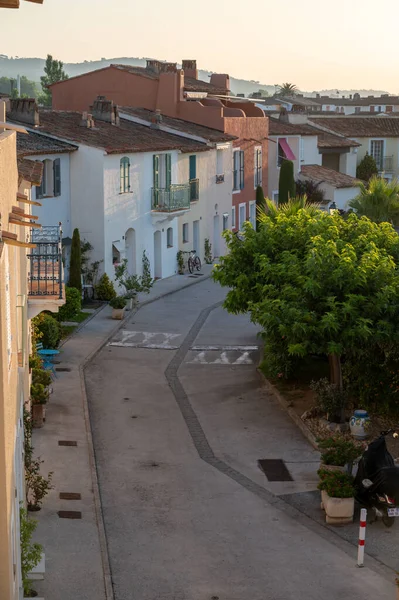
point(366, 168)
point(260, 202)
point(54, 71)
point(316, 284)
point(286, 183)
point(288, 89)
point(379, 201)
point(75, 267)
point(310, 189)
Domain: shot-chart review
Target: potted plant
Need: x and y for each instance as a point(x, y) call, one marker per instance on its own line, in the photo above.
point(37, 486)
point(39, 396)
point(338, 499)
point(31, 552)
point(337, 452)
point(130, 298)
point(118, 305)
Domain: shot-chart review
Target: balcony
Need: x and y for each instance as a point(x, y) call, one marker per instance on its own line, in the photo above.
point(385, 164)
point(45, 285)
point(194, 190)
point(170, 202)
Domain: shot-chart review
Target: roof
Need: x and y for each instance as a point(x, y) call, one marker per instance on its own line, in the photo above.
point(368, 101)
point(330, 140)
point(114, 139)
point(34, 143)
point(325, 139)
point(30, 170)
point(360, 127)
point(324, 175)
point(212, 135)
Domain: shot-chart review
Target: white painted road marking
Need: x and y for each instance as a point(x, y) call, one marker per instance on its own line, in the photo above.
point(146, 339)
point(227, 357)
point(249, 348)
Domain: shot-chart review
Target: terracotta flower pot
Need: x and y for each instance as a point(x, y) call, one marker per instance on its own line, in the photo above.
point(38, 415)
point(338, 510)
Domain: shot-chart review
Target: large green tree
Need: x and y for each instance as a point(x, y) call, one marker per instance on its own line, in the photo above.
point(379, 201)
point(287, 89)
point(53, 72)
point(286, 182)
point(75, 266)
point(316, 284)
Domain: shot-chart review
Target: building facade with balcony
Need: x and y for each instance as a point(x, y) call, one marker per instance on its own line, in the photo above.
point(137, 185)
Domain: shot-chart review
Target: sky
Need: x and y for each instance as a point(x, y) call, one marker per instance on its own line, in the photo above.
point(345, 44)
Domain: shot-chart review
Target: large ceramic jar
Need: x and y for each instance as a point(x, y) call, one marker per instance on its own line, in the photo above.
point(358, 425)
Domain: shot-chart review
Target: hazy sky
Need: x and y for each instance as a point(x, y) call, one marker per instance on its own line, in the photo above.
point(315, 44)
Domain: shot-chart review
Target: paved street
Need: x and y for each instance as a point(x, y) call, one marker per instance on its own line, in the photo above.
point(180, 420)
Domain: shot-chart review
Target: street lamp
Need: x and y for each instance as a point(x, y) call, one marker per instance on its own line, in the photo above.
point(332, 208)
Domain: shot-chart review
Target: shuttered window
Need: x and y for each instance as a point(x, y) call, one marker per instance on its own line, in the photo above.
point(124, 175)
point(57, 177)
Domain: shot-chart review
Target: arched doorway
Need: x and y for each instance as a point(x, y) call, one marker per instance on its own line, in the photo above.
point(130, 251)
point(158, 255)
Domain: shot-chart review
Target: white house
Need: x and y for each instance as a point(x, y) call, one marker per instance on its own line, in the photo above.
point(132, 189)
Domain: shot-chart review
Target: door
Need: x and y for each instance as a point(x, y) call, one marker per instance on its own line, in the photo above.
point(196, 237)
point(377, 152)
point(130, 251)
point(158, 255)
point(216, 236)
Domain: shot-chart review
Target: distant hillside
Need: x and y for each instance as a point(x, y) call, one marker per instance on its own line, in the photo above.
point(32, 68)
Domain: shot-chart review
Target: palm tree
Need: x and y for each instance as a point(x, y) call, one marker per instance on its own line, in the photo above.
point(288, 208)
point(288, 89)
point(378, 200)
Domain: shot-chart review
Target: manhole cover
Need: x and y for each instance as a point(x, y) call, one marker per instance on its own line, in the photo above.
point(67, 443)
point(62, 369)
point(70, 496)
point(69, 514)
point(275, 469)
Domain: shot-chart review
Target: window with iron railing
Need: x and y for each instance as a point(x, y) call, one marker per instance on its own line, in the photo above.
point(45, 262)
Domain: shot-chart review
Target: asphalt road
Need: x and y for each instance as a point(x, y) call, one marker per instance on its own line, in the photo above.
point(179, 422)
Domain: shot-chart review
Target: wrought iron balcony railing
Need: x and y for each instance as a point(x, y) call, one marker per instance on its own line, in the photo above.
point(174, 198)
point(385, 163)
point(194, 190)
point(45, 273)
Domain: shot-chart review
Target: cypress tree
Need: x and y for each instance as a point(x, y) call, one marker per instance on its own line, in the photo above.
point(75, 267)
point(286, 184)
point(260, 202)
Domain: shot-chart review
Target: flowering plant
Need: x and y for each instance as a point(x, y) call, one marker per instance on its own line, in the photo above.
point(338, 451)
point(336, 484)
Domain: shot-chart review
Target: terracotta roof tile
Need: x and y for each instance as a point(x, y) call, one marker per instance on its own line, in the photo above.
point(330, 140)
point(127, 137)
point(323, 174)
point(34, 143)
point(324, 139)
point(30, 170)
point(361, 127)
point(212, 135)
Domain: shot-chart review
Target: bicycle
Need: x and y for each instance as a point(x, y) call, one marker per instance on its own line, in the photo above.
point(194, 262)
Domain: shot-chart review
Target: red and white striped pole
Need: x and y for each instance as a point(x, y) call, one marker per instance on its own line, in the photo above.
point(362, 537)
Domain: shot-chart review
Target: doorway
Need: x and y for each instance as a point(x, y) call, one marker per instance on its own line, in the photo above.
point(158, 255)
point(216, 237)
point(196, 237)
point(130, 251)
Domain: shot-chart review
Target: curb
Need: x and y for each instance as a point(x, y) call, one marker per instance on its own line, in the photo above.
point(81, 325)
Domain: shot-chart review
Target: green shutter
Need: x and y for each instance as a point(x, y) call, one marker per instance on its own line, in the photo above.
point(155, 162)
point(168, 166)
point(57, 177)
point(242, 169)
point(193, 167)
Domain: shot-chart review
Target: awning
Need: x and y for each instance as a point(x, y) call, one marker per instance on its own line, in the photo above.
point(286, 149)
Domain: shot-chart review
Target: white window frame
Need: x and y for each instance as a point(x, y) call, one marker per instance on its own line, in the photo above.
point(237, 152)
point(258, 170)
point(233, 217)
point(240, 206)
point(169, 245)
point(219, 162)
point(252, 203)
point(225, 221)
point(185, 229)
point(383, 149)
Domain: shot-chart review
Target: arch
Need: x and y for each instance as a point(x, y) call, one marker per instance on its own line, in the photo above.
point(130, 251)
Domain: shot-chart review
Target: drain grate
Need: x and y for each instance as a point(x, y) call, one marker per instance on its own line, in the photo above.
point(70, 496)
point(67, 443)
point(275, 470)
point(69, 514)
point(63, 369)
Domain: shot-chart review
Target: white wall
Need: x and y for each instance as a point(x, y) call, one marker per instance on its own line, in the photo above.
point(58, 208)
point(348, 162)
point(343, 195)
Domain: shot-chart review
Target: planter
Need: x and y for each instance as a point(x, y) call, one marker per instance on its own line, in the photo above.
point(323, 499)
point(332, 468)
point(118, 313)
point(358, 425)
point(129, 303)
point(338, 510)
point(38, 415)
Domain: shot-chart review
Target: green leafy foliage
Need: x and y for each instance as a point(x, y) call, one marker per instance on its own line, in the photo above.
point(118, 302)
point(75, 267)
point(48, 329)
point(37, 487)
point(338, 451)
point(41, 376)
point(260, 201)
point(105, 289)
point(330, 399)
point(378, 200)
point(287, 89)
point(286, 183)
point(208, 252)
point(31, 553)
point(28, 87)
point(134, 284)
point(38, 393)
point(146, 280)
point(336, 483)
point(311, 189)
point(28, 448)
point(53, 72)
point(367, 168)
point(72, 305)
point(180, 262)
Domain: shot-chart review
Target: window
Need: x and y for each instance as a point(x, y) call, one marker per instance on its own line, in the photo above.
point(252, 213)
point(57, 177)
point(219, 162)
point(372, 109)
point(124, 175)
point(233, 217)
point(225, 221)
point(241, 215)
point(185, 233)
point(51, 179)
point(280, 155)
point(377, 152)
point(258, 166)
point(169, 237)
point(389, 108)
point(275, 197)
point(193, 167)
point(238, 170)
point(357, 110)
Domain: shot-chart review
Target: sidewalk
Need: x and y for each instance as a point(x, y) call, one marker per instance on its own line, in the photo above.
point(75, 548)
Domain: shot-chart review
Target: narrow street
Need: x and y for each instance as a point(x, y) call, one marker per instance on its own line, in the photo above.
point(180, 420)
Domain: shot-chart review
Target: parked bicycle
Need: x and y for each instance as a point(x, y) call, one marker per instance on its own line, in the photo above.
point(194, 262)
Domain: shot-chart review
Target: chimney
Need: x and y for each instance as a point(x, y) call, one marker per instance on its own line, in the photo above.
point(24, 110)
point(221, 81)
point(104, 110)
point(153, 65)
point(190, 68)
point(156, 119)
point(350, 96)
point(87, 120)
point(167, 67)
point(283, 117)
point(317, 95)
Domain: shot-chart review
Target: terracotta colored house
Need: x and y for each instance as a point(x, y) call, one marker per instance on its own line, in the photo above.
point(178, 93)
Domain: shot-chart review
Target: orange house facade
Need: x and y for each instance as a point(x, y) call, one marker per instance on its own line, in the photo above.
point(178, 93)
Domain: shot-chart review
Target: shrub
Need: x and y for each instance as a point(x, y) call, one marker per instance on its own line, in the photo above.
point(180, 262)
point(105, 289)
point(314, 194)
point(75, 267)
point(286, 184)
point(38, 393)
point(208, 252)
point(37, 486)
point(366, 168)
point(336, 483)
point(338, 451)
point(41, 376)
point(260, 202)
point(35, 362)
point(330, 399)
point(118, 302)
point(31, 553)
point(146, 280)
point(72, 305)
point(49, 328)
